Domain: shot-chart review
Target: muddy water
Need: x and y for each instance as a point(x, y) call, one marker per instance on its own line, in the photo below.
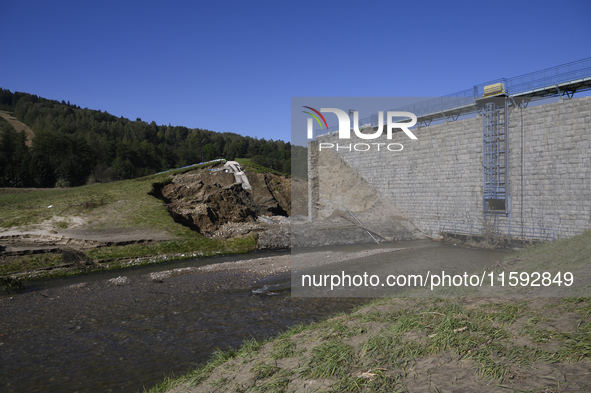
point(99, 337)
point(108, 338)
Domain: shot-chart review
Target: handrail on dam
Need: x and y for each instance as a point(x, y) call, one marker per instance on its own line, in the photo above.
point(550, 82)
point(570, 73)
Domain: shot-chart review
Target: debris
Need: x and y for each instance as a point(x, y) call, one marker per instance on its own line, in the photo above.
point(206, 201)
point(361, 225)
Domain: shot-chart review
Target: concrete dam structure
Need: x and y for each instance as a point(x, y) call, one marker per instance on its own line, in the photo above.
point(438, 182)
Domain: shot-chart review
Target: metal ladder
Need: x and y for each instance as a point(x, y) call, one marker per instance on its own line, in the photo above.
point(495, 159)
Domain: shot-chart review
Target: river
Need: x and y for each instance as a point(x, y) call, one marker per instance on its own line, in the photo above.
point(82, 334)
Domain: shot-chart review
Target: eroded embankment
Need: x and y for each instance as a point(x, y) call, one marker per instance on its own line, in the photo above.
point(17, 244)
point(211, 202)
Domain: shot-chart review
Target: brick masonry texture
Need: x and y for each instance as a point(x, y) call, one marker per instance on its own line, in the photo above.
point(438, 177)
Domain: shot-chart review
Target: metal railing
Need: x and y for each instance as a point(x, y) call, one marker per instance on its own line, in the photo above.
point(549, 78)
point(573, 71)
point(431, 106)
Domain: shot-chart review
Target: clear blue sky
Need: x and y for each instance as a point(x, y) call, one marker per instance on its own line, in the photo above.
point(233, 66)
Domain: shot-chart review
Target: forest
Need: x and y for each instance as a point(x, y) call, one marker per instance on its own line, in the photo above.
point(73, 146)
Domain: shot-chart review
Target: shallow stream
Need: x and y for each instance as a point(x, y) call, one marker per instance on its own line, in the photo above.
point(59, 336)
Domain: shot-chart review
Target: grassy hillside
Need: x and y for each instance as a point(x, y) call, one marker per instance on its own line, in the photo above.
point(118, 207)
point(248, 163)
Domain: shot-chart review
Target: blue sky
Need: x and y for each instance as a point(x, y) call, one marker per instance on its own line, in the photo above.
point(233, 66)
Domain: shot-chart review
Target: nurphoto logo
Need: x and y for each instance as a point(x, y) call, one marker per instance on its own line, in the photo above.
point(394, 120)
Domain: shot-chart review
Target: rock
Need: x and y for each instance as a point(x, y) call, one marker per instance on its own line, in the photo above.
point(121, 280)
point(159, 277)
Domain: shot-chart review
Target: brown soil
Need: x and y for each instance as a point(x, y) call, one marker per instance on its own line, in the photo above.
point(44, 239)
point(206, 200)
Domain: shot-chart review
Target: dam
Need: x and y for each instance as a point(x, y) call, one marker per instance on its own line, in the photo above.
point(507, 162)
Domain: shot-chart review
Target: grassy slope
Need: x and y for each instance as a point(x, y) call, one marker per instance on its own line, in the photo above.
point(123, 205)
point(247, 162)
point(428, 344)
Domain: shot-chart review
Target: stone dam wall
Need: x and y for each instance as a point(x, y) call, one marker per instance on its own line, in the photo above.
point(439, 177)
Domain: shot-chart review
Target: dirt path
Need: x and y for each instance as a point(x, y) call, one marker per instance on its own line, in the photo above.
point(18, 126)
point(42, 238)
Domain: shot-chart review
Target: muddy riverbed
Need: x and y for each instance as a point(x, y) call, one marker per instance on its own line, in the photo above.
point(122, 334)
point(124, 330)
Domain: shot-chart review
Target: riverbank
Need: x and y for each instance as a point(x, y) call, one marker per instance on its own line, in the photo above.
point(113, 225)
point(529, 344)
point(97, 332)
point(418, 346)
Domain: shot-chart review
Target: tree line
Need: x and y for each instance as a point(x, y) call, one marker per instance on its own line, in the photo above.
point(74, 146)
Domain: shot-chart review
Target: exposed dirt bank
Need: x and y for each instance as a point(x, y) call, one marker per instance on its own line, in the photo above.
point(207, 199)
point(23, 242)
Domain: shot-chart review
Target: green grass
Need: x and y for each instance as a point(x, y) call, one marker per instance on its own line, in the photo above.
point(262, 370)
point(566, 253)
point(277, 383)
point(251, 166)
point(140, 254)
point(119, 206)
point(10, 284)
point(205, 246)
point(381, 383)
point(330, 359)
point(477, 335)
point(284, 349)
point(24, 263)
